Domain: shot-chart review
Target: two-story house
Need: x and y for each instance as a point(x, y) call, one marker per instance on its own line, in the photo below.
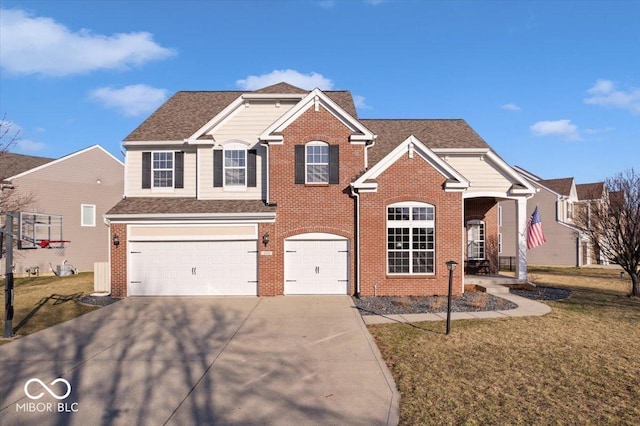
point(558, 201)
point(286, 191)
point(79, 188)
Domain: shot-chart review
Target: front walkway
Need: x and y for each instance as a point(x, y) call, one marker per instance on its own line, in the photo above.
point(526, 308)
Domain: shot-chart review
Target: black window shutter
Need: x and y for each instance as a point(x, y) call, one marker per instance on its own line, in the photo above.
point(217, 168)
point(334, 163)
point(179, 170)
point(251, 168)
point(146, 170)
point(299, 159)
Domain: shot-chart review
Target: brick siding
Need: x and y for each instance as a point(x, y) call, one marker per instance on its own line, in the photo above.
point(410, 180)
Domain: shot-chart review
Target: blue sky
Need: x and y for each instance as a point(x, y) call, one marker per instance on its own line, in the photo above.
point(552, 86)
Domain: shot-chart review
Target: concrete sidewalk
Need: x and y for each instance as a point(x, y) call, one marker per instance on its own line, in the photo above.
point(526, 307)
point(182, 361)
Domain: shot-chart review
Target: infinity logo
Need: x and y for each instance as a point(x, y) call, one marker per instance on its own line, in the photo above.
point(51, 392)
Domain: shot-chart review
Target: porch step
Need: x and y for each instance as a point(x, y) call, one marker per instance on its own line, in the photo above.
point(493, 288)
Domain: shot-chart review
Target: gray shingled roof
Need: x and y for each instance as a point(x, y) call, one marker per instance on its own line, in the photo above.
point(13, 164)
point(183, 205)
point(562, 186)
point(433, 133)
point(590, 191)
point(185, 112)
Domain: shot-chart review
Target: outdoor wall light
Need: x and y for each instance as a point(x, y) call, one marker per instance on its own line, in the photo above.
point(451, 266)
point(116, 240)
point(265, 239)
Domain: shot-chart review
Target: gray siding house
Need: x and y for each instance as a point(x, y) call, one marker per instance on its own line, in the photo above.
point(557, 200)
point(81, 187)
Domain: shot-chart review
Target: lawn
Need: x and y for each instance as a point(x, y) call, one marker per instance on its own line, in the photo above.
point(580, 364)
point(40, 302)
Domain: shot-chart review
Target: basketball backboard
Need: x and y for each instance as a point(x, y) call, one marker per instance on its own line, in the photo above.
point(37, 230)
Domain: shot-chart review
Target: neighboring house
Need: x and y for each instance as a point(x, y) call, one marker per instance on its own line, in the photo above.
point(80, 187)
point(286, 191)
point(558, 201)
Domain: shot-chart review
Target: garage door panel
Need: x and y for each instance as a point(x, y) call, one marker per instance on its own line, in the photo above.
point(316, 267)
point(193, 268)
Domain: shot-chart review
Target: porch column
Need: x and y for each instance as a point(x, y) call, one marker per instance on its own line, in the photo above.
point(521, 248)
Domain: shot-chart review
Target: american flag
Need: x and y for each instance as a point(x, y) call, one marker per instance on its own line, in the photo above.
point(535, 236)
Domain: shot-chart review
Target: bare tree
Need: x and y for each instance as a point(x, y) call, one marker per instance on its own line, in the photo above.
point(613, 224)
point(8, 137)
point(10, 199)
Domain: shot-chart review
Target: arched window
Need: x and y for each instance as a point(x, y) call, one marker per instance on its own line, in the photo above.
point(410, 238)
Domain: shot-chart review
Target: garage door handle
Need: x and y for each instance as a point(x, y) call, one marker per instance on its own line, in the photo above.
point(343, 281)
point(193, 271)
point(136, 282)
point(292, 281)
point(290, 251)
point(135, 252)
point(317, 269)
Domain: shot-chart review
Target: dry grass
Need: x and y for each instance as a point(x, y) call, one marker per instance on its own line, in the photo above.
point(45, 301)
point(577, 365)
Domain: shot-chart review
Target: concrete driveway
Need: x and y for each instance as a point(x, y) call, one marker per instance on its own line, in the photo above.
point(182, 361)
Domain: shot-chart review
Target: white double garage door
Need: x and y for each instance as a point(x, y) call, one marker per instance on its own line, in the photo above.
point(224, 267)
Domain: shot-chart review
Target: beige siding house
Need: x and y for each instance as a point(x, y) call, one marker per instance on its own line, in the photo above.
point(80, 187)
point(557, 201)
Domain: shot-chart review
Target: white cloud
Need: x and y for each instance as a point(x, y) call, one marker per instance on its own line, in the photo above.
point(562, 128)
point(598, 131)
point(604, 93)
point(131, 100)
point(40, 45)
point(293, 77)
point(359, 102)
point(511, 107)
point(26, 145)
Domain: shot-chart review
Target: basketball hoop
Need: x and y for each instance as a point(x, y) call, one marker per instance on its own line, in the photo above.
point(54, 244)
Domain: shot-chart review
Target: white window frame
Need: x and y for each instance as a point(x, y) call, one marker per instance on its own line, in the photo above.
point(482, 241)
point(412, 224)
point(307, 163)
point(92, 216)
point(234, 148)
point(160, 169)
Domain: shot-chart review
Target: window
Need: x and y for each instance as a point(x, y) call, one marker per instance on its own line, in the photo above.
point(235, 167)
point(500, 243)
point(87, 215)
point(410, 238)
point(162, 169)
point(317, 162)
point(475, 239)
point(499, 215)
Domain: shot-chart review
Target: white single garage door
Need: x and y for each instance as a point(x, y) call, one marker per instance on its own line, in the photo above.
point(316, 267)
point(193, 268)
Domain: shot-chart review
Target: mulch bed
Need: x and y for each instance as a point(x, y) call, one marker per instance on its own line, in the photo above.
point(98, 300)
point(543, 293)
point(469, 302)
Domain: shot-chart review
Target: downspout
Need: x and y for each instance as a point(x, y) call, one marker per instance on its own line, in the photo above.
point(357, 197)
point(366, 152)
point(266, 183)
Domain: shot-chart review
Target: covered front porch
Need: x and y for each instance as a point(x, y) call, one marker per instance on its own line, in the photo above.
point(482, 221)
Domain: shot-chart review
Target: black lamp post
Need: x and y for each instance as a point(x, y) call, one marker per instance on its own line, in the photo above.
point(451, 266)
